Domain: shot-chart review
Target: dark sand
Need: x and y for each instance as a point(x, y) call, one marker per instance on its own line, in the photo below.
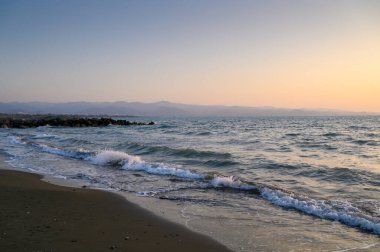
point(38, 216)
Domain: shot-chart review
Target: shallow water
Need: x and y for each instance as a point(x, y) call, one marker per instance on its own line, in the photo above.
point(252, 183)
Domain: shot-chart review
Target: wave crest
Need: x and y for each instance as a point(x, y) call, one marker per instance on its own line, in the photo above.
point(340, 211)
point(79, 154)
point(230, 182)
point(130, 162)
point(111, 157)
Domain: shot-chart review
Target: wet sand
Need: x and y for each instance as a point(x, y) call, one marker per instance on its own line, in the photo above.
point(38, 216)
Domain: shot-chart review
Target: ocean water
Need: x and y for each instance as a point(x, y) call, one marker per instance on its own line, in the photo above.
point(254, 184)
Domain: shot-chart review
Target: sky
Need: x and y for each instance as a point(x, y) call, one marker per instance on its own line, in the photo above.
point(291, 54)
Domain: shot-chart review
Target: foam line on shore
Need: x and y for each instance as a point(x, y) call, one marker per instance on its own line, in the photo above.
point(341, 211)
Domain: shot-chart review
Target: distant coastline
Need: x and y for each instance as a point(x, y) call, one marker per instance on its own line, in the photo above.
point(163, 109)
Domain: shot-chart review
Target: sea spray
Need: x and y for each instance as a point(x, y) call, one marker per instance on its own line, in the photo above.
point(130, 162)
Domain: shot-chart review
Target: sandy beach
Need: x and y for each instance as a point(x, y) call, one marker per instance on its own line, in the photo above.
point(38, 216)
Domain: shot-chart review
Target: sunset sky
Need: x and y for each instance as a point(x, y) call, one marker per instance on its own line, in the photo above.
point(293, 54)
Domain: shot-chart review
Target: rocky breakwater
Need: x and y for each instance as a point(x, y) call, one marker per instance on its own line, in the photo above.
point(32, 121)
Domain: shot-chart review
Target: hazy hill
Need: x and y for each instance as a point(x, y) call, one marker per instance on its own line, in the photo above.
point(162, 108)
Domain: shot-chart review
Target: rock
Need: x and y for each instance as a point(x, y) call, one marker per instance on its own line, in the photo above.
point(31, 121)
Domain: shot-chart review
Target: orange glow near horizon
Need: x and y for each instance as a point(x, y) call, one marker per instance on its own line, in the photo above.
point(342, 76)
point(290, 54)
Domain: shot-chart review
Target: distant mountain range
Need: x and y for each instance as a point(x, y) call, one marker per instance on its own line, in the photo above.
point(162, 108)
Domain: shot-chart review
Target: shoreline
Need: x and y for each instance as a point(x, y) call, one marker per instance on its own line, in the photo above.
point(37, 215)
point(153, 168)
point(183, 215)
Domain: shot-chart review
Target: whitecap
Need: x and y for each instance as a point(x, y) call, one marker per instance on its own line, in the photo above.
point(340, 211)
point(231, 182)
point(131, 162)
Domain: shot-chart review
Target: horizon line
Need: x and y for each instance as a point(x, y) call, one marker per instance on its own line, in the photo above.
point(208, 105)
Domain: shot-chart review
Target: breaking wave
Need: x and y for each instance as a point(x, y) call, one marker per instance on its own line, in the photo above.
point(342, 211)
point(130, 162)
point(230, 182)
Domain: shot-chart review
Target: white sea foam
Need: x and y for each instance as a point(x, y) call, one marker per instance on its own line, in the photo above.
point(110, 157)
point(130, 162)
point(340, 211)
point(230, 182)
point(343, 211)
point(162, 170)
point(60, 177)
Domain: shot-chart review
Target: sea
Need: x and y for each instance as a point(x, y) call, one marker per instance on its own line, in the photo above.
point(253, 184)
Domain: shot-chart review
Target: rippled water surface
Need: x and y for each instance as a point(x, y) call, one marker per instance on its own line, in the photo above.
point(314, 182)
